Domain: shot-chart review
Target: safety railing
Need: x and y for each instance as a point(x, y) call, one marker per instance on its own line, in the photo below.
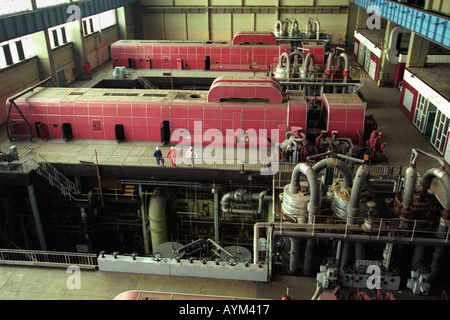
point(47, 259)
point(364, 229)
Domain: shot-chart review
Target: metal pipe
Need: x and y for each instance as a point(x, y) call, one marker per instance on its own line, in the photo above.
point(314, 189)
point(358, 185)
point(308, 29)
point(329, 64)
point(308, 60)
point(335, 163)
point(144, 222)
point(278, 28)
point(294, 255)
point(157, 218)
point(317, 24)
point(410, 187)
point(414, 155)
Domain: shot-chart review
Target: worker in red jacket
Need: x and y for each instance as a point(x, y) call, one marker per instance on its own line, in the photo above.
point(173, 155)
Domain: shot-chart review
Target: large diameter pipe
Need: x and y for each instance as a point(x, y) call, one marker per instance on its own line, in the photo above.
point(355, 196)
point(308, 60)
point(317, 24)
point(335, 163)
point(410, 187)
point(157, 218)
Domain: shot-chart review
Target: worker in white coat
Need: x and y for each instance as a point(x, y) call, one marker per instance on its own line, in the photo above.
point(192, 155)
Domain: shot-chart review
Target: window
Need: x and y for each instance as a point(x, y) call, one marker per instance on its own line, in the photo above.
point(15, 50)
point(107, 19)
point(13, 6)
point(440, 130)
point(99, 22)
point(423, 114)
point(59, 35)
point(49, 3)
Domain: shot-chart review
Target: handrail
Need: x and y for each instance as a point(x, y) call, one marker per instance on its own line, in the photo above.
point(48, 258)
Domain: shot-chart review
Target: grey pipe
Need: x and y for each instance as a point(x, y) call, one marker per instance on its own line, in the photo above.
point(308, 29)
point(414, 155)
point(296, 53)
point(314, 189)
point(335, 163)
point(443, 176)
point(308, 60)
point(410, 187)
point(313, 207)
point(233, 196)
point(317, 24)
point(358, 185)
point(157, 218)
point(294, 255)
point(329, 62)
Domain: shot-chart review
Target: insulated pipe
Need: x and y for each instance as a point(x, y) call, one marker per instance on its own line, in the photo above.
point(294, 54)
point(329, 64)
point(444, 177)
point(308, 29)
point(313, 208)
point(410, 187)
point(344, 56)
point(294, 28)
point(157, 217)
point(317, 25)
point(278, 28)
point(234, 196)
point(358, 185)
point(314, 203)
point(288, 62)
point(294, 255)
point(335, 163)
point(308, 60)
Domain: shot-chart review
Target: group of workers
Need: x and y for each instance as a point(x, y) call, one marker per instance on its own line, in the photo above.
point(174, 155)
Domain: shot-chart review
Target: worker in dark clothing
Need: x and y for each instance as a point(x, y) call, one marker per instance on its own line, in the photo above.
point(159, 157)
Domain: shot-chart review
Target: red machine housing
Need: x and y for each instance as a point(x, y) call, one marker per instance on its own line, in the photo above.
point(317, 49)
point(199, 55)
point(92, 113)
point(254, 37)
point(346, 114)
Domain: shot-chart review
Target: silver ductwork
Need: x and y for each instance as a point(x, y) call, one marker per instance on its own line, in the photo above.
point(283, 69)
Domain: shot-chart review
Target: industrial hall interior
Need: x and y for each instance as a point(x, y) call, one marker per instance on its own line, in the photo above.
point(224, 149)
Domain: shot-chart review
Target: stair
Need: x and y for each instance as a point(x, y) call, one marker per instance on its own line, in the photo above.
point(58, 180)
point(146, 83)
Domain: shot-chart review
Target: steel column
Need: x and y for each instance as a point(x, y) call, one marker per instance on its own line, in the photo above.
point(37, 219)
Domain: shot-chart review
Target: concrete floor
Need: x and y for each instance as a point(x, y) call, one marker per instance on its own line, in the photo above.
point(28, 283)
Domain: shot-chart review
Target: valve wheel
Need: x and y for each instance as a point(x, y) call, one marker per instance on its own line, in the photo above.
point(157, 256)
point(232, 261)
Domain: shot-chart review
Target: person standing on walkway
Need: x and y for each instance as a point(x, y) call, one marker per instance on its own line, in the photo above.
point(192, 155)
point(173, 154)
point(159, 157)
